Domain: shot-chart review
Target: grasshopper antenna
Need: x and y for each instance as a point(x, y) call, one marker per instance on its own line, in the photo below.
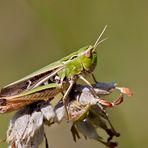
point(98, 39)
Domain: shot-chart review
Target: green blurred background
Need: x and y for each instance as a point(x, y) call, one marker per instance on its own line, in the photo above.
point(34, 33)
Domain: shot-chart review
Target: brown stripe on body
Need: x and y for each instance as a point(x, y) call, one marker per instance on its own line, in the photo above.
point(41, 95)
point(12, 104)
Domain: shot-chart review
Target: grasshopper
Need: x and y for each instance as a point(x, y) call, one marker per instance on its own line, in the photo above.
point(46, 83)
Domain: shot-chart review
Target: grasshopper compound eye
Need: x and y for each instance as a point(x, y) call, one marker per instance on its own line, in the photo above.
point(88, 52)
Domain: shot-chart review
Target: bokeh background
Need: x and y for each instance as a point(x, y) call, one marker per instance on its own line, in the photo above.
point(34, 33)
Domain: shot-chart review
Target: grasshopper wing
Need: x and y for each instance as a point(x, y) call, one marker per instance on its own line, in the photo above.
point(23, 84)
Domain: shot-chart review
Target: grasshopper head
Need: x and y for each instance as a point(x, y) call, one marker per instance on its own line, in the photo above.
point(88, 54)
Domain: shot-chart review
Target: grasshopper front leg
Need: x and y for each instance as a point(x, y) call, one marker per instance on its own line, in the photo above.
point(89, 84)
point(117, 101)
point(94, 78)
point(65, 97)
point(101, 101)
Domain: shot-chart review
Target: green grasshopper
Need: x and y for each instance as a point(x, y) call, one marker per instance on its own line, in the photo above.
point(46, 83)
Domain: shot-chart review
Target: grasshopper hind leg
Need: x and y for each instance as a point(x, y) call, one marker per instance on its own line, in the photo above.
point(3, 101)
